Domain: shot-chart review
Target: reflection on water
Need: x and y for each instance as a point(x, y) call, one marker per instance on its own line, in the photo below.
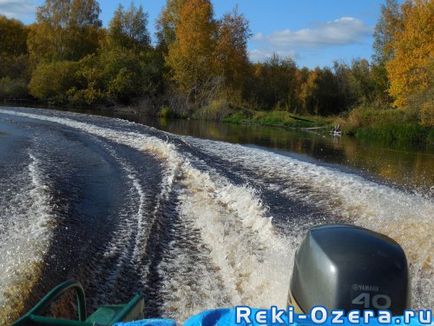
point(410, 167)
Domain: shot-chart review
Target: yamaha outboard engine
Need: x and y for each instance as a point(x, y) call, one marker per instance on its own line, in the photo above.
point(349, 268)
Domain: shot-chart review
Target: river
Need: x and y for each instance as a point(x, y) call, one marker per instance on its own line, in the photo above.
point(193, 214)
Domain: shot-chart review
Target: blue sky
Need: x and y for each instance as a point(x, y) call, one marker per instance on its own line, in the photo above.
point(313, 32)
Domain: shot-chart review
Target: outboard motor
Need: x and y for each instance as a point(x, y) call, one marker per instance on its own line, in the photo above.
point(349, 268)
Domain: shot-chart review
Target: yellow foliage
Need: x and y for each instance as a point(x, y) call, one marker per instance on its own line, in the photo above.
point(53, 79)
point(413, 49)
point(190, 56)
point(168, 21)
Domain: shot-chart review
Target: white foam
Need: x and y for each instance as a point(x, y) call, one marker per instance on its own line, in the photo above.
point(251, 260)
point(26, 236)
point(254, 261)
point(406, 217)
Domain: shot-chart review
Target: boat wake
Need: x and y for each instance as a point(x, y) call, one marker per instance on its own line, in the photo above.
point(26, 220)
point(194, 224)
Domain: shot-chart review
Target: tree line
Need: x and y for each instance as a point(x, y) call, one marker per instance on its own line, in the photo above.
point(199, 61)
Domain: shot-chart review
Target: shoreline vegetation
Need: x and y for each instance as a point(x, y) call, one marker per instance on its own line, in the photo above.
point(198, 68)
point(394, 128)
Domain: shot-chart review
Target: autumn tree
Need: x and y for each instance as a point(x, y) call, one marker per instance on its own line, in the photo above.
point(190, 56)
point(167, 22)
point(231, 59)
point(413, 49)
point(65, 30)
point(389, 24)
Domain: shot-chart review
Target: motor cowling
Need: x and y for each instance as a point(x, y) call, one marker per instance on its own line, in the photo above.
point(349, 268)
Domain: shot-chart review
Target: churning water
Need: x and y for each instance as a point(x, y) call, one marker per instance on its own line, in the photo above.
point(192, 223)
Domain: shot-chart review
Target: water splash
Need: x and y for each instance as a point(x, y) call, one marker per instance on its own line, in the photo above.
point(25, 238)
point(238, 256)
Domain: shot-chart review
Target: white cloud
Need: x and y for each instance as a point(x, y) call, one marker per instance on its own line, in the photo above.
point(341, 31)
point(19, 9)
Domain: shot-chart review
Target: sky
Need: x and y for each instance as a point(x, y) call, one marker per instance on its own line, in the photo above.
point(312, 32)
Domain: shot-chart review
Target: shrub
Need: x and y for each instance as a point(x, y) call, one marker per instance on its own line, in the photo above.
point(52, 81)
point(427, 114)
point(237, 118)
point(367, 116)
point(217, 109)
point(12, 88)
point(389, 126)
point(167, 113)
point(275, 118)
point(124, 85)
point(430, 137)
point(129, 74)
point(85, 97)
point(408, 133)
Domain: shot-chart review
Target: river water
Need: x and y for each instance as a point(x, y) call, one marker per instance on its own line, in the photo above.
point(200, 215)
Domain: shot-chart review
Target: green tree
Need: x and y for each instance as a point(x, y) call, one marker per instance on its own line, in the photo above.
point(127, 67)
point(364, 84)
point(14, 72)
point(13, 48)
point(389, 24)
point(275, 84)
point(13, 37)
point(65, 30)
point(348, 90)
point(231, 59)
point(52, 81)
point(130, 75)
point(320, 93)
point(128, 28)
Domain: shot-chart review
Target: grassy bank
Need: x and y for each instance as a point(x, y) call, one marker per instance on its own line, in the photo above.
point(383, 125)
point(277, 119)
point(388, 126)
point(221, 110)
point(379, 124)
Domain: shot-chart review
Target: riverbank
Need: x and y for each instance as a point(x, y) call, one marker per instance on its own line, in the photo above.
point(278, 119)
point(388, 127)
point(382, 125)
